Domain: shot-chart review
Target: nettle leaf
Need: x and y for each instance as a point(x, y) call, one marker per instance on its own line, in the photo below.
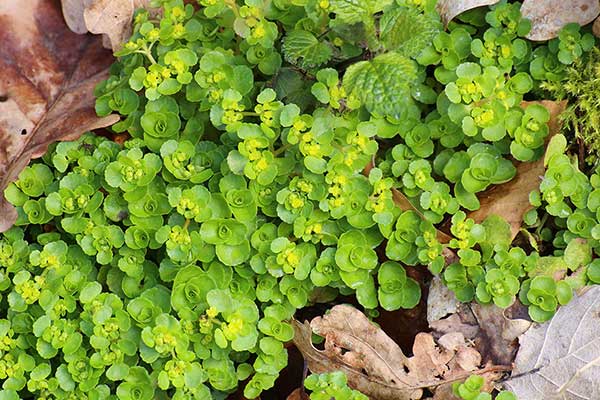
point(303, 49)
point(383, 84)
point(355, 11)
point(408, 31)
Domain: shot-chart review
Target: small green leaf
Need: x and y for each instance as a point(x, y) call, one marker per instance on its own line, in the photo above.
point(557, 146)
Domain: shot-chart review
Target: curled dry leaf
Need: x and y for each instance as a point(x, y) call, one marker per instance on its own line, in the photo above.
point(549, 16)
point(111, 18)
point(46, 90)
point(374, 363)
point(560, 359)
point(511, 200)
point(449, 9)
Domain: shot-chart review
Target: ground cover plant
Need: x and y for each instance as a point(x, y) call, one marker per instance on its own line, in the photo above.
point(280, 150)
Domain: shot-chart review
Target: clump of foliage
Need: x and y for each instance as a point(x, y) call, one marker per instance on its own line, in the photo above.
point(269, 141)
point(471, 389)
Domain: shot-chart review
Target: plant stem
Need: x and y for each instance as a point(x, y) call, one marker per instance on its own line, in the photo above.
point(281, 149)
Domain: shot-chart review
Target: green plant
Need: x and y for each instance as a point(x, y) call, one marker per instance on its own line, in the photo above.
point(332, 385)
point(471, 389)
point(269, 144)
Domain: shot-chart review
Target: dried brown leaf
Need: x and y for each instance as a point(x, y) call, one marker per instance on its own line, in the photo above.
point(374, 363)
point(449, 9)
point(560, 359)
point(298, 394)
point(596, 27)
point(492, 330)
point(73, 14)
point(511, 200)
point(48, 77)
point(549, 16)
point(440, 301)
point(111, 18)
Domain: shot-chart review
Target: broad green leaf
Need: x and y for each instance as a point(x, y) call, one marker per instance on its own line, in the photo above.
point(303, 49)
point(383, 84)
point(355, 11)
point(408, 31)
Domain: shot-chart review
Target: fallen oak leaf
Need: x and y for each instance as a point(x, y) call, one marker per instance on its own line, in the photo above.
point(510, 200)
point(374, 363)
point(560, 359)
point(49, 74)
point(449, 9)
point(549, 16)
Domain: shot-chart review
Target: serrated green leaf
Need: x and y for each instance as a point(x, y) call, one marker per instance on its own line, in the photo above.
point(408, 31)
point(303, 49)
point(383, 84)
point(355, 11)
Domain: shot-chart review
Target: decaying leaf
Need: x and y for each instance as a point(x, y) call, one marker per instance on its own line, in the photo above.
point(549, 16)
point(441, 301)
point(449, 9)
point(374, 363)
point(298, 394)
point(46, 90)
point(596, 27)
point(511, 200)
point(111, 18)
point(73, 14)
point(560, 359)
point(492, 330)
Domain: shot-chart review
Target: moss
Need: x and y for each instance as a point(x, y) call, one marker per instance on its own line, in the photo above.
point(581, 88)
